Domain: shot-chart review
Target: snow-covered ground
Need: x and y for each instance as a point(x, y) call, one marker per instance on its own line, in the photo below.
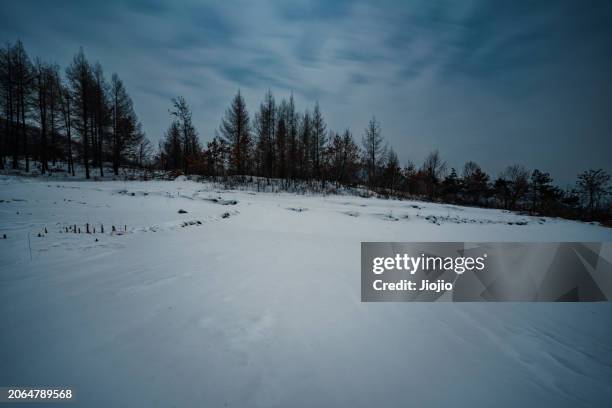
point(253, 299)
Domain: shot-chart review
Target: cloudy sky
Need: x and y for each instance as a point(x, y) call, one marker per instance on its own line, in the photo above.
point(495, 82)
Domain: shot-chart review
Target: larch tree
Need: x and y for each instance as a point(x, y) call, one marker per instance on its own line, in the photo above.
point(100, 116)
point(236, 132)
point(305, 142)
point(292, 138)
point(172, 149)
point(373, 150)
point(318, 140)
point(24, 81)
point(189, 136)
point(80, 78)
point(6, 102)
point(42, 90)
point(392, 171)
point(265, 127)
point(54, 108)
point(517, 183)
point(433, 171)
point(66, 110)
point(593, 187)
point(475, 182)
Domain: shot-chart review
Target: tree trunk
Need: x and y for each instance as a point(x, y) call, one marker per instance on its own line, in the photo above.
point(43, 123)
point(24, 132)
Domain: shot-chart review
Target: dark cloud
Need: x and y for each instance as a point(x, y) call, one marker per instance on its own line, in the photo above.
point(493, 82)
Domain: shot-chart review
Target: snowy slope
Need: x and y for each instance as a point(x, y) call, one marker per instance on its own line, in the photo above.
point(253, 299)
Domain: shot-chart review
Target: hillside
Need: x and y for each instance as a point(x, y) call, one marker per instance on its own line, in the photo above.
point(214, 297)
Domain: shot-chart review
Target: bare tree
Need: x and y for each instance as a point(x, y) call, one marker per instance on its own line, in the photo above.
point(265, 128)
point(292, 138)
point(475, 182)
point(318, 140)
point(65, 106)
point(127, 132)
point(143, 153)
point(42, 89)
point(100, 115)
point(517, 179)
point(373, 150)
point(24, 79)
point(593, 187)
point(541, 190)
point(191, 145)
point(392, 171)
point(304, 145)
point(343, 158)
point(54, 107)
point(433, 169)
point(171, 148)
point(80, 78)
point(236, 131)
point(7, 91)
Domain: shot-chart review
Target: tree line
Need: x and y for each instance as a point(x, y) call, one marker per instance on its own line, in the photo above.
point(281, 142)
point(78, 115)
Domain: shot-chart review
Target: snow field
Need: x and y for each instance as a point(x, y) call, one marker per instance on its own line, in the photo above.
point(262, 307)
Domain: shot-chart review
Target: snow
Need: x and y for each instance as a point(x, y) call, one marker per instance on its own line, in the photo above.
point(253, 299)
